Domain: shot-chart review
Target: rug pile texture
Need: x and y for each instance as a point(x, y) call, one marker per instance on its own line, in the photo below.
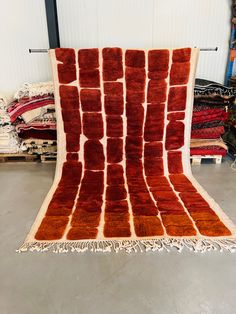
point(123, 179)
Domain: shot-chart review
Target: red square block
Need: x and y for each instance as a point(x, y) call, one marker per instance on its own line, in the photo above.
point(181, 55)
point(135, 58)
point(134, 169)
point(179, 73)
point(170, 206)
point(112, 53)
point(135, 119)
point(157, 75)
point(66, 73)
point(68, 92)
point(175, 162)
point(134, 126)
point(158, 183)
point(72, 156)
point(113, 88)
point(93, 125)
point(135, 96)
point(94, 155)
point(81, 233)
point(156, 91)
point(69, 103)
point(164, 196)
point(147, 226)
point(116, 218)
point(93, 177)
point(177, 98)
point(114, 150)
point(88, 58)
point(73, 127)
point(136, 185)
point(144, 210)
point(135, 110)
point(114, 126)
point(85, 219)
point(134, 147)
point(91, 189)
point(174, 116)
point(135, 78)
point(90, 205)
point(116, 206)
point(89, 78)
point(121, 230)
point(90, 99)
point(153, 149)
point(115, 192)
point(72, 170)
point(72, 142)
point(181, 183)
point(158, 60)
point(52, 228)
point(114, 105)
point(112, 70)
point(115, 174)
point(154, 124)
point(213, 228)
point(153, 166)
point(65, 55)
point(174, 135)
point(72, 116)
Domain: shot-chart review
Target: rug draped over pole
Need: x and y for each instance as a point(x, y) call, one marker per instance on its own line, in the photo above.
point(123, 179)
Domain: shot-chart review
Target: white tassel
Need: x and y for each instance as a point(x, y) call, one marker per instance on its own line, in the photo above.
point(131, 246)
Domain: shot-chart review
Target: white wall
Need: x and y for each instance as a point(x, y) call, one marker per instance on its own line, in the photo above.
point(151, 23)
point(22, 26)
point(125, 23)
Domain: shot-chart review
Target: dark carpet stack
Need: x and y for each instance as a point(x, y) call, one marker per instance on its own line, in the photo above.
point(210, 114)
point(33, 114)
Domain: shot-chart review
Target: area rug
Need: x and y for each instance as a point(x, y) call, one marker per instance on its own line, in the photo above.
point(123, 179)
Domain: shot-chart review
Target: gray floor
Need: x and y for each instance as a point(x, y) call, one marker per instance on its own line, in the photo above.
point(34, 283)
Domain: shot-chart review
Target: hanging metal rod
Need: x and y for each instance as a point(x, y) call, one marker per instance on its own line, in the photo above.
point(46, 50)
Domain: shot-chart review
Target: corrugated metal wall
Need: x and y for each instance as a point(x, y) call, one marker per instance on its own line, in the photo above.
point(125, 23)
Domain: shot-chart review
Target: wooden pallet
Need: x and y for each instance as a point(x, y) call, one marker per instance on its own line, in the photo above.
point(18, 157)
point(48, 158)
point(197, 159)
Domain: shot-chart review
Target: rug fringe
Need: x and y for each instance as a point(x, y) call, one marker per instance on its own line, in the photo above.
point(130, 246)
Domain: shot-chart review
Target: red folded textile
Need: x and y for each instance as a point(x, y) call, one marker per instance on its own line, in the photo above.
point(221, 115)
point(36, 126)
point(209, 133)
point(38, 134)
point(208, 150)
point(18, 107)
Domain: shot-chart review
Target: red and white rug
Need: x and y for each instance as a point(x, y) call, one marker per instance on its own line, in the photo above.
point(123, 179)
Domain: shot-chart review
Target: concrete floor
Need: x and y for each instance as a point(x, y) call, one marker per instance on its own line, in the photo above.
point(166, 283)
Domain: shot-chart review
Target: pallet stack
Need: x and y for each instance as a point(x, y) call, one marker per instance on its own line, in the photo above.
point(28, 124)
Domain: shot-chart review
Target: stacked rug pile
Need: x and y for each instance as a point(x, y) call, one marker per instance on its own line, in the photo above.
point(9, 141)
point(210, 112)
point(33, 114)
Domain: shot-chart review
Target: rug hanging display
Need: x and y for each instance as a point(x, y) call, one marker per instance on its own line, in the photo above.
point(123, 179)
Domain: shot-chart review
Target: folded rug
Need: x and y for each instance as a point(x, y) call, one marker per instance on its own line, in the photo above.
point(123, 178)
point(207, 142)
point(210, 133)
